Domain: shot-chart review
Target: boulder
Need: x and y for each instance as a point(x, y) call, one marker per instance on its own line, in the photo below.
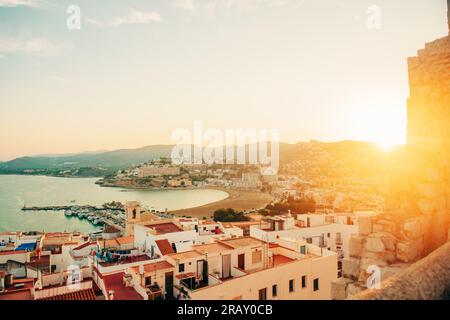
point(408, 251)
point(390, 256)
point(356, 246)
point(389, 240)
point(374, 243)
point(384, 226)
point(338, 289)
point(350, 267)
point(370, 261)
point(354, 288)
point(365, 225)
point(412, 229)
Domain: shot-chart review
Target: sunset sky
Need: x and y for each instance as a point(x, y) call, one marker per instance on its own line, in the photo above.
point(137, 70)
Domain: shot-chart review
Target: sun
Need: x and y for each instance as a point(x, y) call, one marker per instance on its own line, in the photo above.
point(386, 145)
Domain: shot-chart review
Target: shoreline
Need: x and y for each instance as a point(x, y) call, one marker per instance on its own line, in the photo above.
point(239, 200)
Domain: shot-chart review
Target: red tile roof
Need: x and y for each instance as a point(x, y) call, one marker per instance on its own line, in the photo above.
point(4, 253)
point(114, 282)
point(164, 246)
point(166, 227)
point(87, 294)
point(185, 275)
point(279, 259)
point(16, 295)
point(84, 245)
point(156, 266)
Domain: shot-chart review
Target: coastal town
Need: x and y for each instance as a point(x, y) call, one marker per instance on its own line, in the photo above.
point(344, 220)
point(181, 258)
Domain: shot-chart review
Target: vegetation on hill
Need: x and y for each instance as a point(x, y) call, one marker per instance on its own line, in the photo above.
point(296, 206)
point(229, 215)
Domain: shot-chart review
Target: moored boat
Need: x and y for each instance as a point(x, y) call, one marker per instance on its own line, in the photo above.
point(68, 213)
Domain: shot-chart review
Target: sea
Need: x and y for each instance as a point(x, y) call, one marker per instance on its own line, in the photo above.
point(19, 190)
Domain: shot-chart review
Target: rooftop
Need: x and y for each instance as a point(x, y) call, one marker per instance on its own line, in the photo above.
point(130, 259)
point(87, 294)
point(5, 253)
point(279, 259)
point(114, 282)
point(242, 242)
point(165, 227)
point(164, 246)
point(211, 248)
point(155, 266)
point(16, 295)
point(186, 255)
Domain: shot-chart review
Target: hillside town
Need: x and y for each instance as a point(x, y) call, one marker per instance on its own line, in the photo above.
point(180, 258)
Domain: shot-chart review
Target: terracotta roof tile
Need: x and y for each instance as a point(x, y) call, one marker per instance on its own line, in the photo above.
point(164, 246)
point(87, 294)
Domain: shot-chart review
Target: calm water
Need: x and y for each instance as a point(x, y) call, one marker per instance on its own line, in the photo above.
point(15, 191)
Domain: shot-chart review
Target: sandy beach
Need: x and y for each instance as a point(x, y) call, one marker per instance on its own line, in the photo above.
point(237, 199)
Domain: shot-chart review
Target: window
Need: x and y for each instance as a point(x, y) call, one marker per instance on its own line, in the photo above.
point(291, 285)
point(303, 249)
point(256, 257)
point(263, 294)
point(316, 284)
point(274, 290)
point(181, 267)
point(303, 282)
point(148, 281)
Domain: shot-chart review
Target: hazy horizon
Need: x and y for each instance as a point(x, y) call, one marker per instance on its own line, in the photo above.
point(153, 145)
point(138, 70)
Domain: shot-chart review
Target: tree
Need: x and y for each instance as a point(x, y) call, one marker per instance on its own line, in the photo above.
point(229, 215)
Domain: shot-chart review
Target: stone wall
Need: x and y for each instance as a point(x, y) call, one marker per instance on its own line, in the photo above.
point(427, 178)
point(417, 220)
point(427, 279)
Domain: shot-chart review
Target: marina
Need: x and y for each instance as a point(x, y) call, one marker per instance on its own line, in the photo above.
point(97, 216)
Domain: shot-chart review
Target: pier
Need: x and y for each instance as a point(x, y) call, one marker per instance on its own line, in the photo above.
point(68, 207)
point(97, 215)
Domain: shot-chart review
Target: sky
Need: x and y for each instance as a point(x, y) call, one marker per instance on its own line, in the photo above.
point(135, 71)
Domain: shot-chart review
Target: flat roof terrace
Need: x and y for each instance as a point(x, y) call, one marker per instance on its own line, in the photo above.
point(163, 228)
point(242, 242)
point(130, 259)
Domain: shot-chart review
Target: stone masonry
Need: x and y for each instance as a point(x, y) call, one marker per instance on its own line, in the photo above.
point(417, 219)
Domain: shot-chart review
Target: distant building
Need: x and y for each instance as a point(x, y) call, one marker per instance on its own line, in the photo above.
point(158, 171)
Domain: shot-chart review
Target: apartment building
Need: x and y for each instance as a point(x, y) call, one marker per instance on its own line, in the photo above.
point(240, 268)
point(158, 171)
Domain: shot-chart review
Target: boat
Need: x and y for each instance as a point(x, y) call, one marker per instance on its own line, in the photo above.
point(68, 213)
point(91, 218)
point(81, 215)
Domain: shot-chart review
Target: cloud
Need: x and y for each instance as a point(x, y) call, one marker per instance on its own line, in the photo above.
point(184, 4)
point(209, 7)
point(36, 46)
point(17, 3)
point(95, 22)
point(134, 17)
